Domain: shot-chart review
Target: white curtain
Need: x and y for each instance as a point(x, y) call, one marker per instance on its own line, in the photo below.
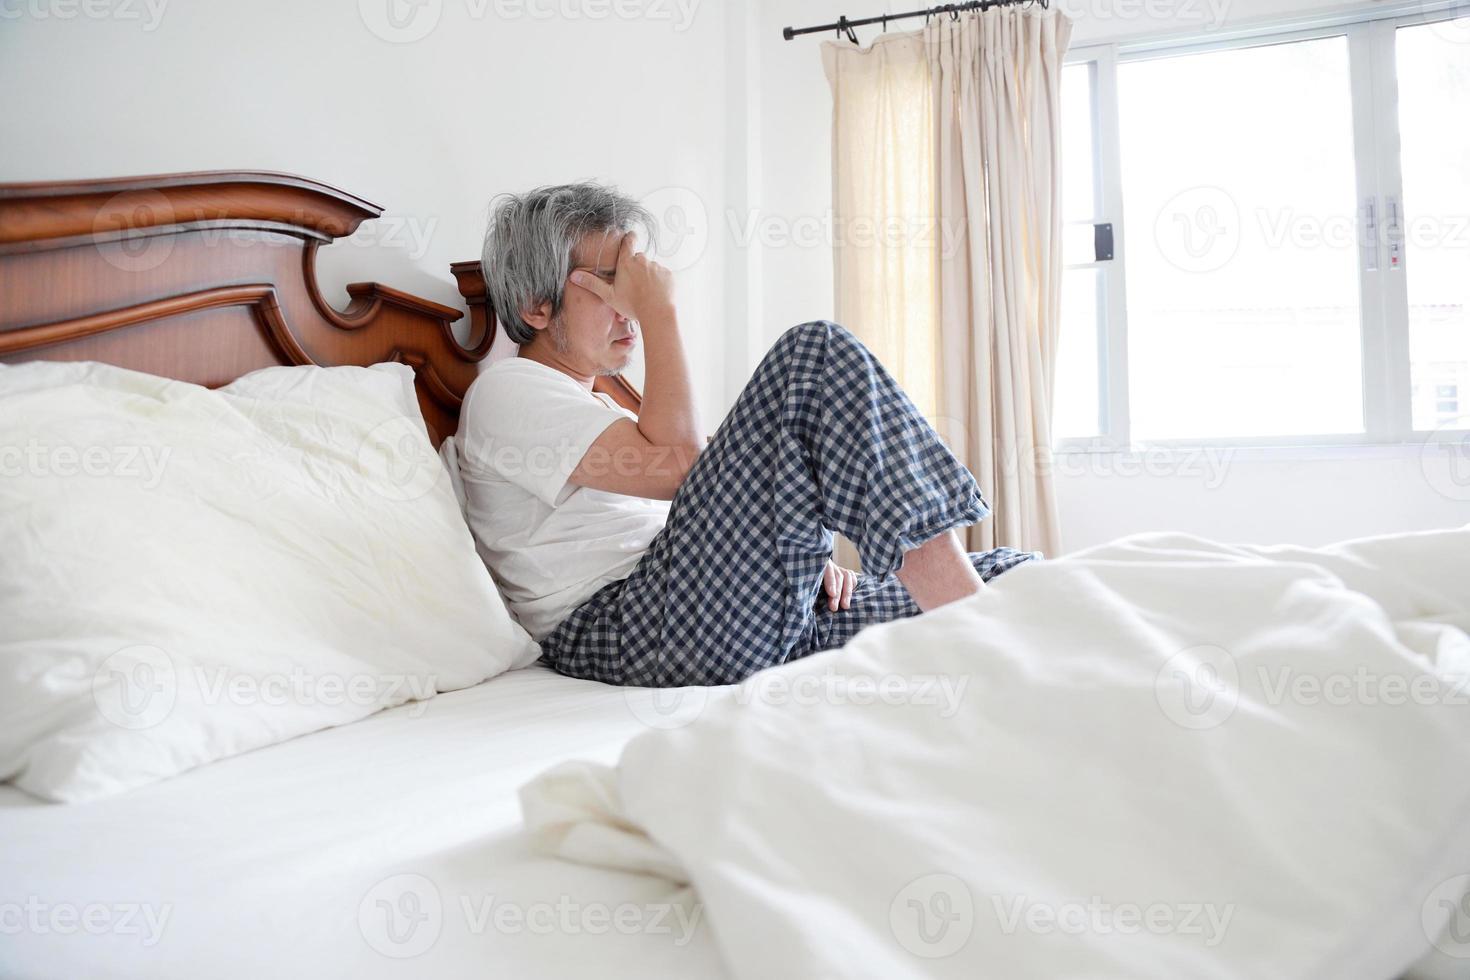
point(946, 190)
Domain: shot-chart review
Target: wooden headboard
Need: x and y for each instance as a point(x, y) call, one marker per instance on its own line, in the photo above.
point(206, 276)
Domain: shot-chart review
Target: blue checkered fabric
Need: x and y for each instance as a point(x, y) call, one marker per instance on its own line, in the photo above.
point(822, 439)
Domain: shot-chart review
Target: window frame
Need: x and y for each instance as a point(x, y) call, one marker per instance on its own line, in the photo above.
point(1383, 293)
point(1112, 351)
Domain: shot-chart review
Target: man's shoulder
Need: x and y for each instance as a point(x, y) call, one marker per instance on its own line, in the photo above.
point(519, 369)
point(516, 397)
point(510, 379)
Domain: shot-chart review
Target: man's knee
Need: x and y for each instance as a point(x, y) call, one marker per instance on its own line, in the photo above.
point(814, 346)
point(821, 335)
point(819, 331)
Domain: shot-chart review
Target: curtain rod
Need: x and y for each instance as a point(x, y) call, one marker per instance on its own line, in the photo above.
point(845, 26)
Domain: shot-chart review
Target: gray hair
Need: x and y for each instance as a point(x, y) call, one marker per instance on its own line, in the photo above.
point(529, 241)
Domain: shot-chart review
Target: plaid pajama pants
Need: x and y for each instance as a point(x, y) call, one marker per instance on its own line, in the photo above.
point(822, 439)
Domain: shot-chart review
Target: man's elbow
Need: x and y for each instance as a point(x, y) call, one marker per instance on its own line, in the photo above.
point(678, 461)
point(688, 452)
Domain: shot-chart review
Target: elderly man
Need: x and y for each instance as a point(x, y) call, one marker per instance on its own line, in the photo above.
point(569, 494)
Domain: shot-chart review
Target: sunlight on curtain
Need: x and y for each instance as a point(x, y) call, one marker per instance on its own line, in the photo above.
point(886, 250)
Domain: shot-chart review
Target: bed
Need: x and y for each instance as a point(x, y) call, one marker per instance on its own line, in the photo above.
point(268, 863)
point(512, 821)
point(311, 858)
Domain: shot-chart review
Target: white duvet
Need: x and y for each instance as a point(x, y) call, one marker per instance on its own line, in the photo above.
point(1163, 757)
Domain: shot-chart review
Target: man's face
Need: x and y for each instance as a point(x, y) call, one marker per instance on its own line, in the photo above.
point(590, 336)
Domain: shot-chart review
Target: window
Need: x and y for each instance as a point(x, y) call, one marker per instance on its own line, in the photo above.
point(1078, 411)
point(1279, 269)
point(1077, 414)
point(1434, 104)
point(1242, 320)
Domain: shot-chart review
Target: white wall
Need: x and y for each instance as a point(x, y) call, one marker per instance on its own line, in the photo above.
point(1309, 497)
point(493, 97)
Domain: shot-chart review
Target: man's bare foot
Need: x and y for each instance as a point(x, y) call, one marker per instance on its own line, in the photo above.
point(939, 572)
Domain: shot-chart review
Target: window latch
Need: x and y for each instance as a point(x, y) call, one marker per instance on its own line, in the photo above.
point(1394, 236)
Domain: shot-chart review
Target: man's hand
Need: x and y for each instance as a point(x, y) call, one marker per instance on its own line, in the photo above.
point(651, 457)
point(838, 583)
point(641, 289)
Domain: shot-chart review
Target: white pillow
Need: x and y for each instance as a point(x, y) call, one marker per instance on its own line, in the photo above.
point(188, 574)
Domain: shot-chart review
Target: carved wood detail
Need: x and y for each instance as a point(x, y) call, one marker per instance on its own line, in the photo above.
point(151, 273)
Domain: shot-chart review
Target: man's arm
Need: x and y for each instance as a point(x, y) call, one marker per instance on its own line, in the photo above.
point(623, 460)
point(667, 417)
point(651, 457)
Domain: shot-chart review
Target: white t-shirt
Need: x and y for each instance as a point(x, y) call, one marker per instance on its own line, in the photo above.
point(523, 428)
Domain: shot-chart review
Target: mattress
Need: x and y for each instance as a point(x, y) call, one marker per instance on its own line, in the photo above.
point(391, 847)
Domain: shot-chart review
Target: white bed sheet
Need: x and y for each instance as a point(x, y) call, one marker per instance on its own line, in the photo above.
point(286, 861)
